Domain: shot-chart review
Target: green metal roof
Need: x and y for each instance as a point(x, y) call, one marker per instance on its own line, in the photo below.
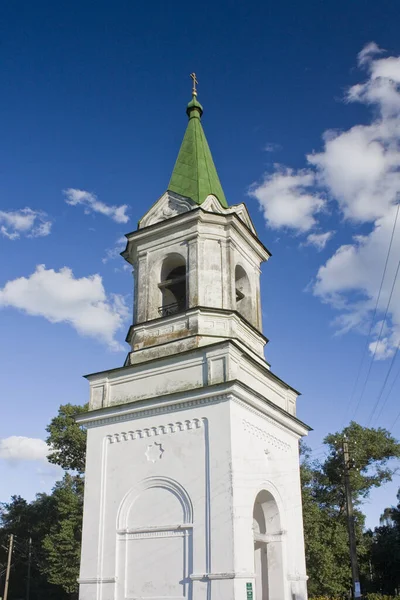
point(194, 174)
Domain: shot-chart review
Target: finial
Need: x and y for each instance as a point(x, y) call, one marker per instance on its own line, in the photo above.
point(195, 82)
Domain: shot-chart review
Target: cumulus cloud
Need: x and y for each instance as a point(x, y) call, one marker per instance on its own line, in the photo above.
point(319, 240)
point(26, 222)
point(60, 297)
point(17, 448)
point(357, 176)
point(92, 204)
point(287, 200)
point(350, 281)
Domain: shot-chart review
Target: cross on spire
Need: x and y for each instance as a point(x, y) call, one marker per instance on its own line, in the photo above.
point(195, 82)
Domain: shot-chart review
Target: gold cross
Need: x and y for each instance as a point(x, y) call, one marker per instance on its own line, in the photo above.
point(194, 79)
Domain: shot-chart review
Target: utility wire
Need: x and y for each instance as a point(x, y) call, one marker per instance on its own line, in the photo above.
point(373, 319)
point(395, 378)
point(383, 388)
point(380, 335)
point(394, 422)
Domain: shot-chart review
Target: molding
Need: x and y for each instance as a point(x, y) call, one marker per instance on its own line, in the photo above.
point(215, 576)
point(265, 436)
point(231, 390)
point(199, 214)
point(170, 428)
point(168, 533)
point(165, 483)
point(270, 374)
point(140, 412)
point(155, 528)
point(269, 537)
point(90, 580)
point(188, 313)
point(169, 205)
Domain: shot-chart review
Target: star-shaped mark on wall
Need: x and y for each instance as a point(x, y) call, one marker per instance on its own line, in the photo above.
point(154, 452)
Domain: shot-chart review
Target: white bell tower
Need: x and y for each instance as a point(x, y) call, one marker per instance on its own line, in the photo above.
point(192, 475)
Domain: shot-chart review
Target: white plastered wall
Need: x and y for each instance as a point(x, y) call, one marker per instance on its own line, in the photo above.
point(265, 456)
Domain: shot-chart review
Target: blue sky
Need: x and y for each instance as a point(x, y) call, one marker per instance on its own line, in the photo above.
point(93, 99)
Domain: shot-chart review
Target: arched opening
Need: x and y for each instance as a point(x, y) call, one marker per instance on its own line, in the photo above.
point(173, 285)
point(243, 293)
point(268, 553)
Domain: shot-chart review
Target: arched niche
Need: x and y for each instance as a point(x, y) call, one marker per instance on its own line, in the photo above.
point(172, 285)
point(268, 548)
point(243, 297)
point(169, 490)
point(155, 542)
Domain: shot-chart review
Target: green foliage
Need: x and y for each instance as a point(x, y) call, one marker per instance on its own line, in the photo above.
point(324, 504)
point(367, 597)
point(385, 551)
point(53, 521)
point(380, 597)
point(26, 520)
point(62, 544)
point(326, 537)
point(370, 450)
point(67, 439)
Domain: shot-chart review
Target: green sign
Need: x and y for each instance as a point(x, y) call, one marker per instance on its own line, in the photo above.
point(249, 591)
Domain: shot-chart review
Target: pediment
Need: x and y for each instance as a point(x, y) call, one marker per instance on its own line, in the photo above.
point(212, 204)
point(169, 205)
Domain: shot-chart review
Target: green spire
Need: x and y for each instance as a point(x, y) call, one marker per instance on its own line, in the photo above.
point(194, 174)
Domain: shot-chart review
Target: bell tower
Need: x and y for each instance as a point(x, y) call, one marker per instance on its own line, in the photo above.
point(192, 475)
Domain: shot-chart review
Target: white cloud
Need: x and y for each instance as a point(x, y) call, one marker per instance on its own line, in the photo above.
point(16, 448)
point(382, 349)
point(350, 281)
point(368, 52)
point(92, 204)
point(112, 253)
point(319, 240)
point(59, 297)
point(287, 201)
point(26, 222)
point(358, 173)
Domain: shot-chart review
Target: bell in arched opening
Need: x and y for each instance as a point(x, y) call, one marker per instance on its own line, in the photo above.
point(173, 285)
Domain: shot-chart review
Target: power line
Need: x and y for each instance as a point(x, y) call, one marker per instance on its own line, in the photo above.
point(383, 388)
point(395, 378)
point(380, 335)
point(373, 316)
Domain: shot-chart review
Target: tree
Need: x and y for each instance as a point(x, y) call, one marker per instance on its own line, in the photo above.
point(62, 544)
point(325, 536)
point(67, 439)
point(26, 520)
point(324, 503)
point(385, 551)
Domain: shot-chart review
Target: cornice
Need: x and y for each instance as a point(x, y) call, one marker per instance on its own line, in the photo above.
point(178, 401)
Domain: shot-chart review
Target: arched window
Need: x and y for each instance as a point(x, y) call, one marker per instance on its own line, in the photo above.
point(243, 293)
point(173, 285)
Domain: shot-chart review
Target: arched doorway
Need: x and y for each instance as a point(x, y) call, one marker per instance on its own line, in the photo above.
point(268, 551)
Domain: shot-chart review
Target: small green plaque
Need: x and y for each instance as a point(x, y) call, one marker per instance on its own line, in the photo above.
point(249, 591)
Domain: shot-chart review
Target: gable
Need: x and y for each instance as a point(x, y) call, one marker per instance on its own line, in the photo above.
point(169, 205)
point(211, 204)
